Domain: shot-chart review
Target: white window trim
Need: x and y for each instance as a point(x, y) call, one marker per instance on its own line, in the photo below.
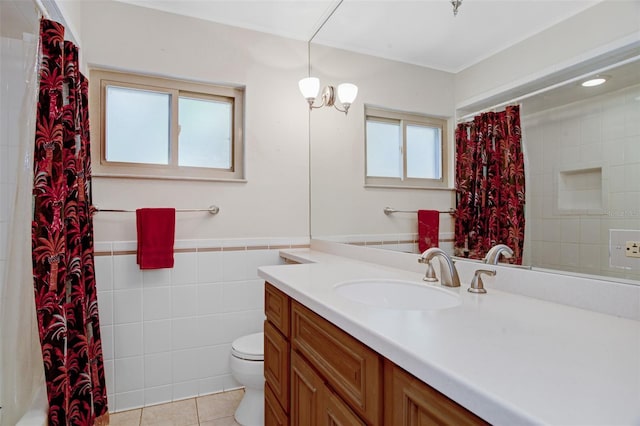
point(408, 118)
point(100, 78)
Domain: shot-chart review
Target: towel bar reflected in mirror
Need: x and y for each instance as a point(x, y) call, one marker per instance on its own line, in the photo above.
point(389, 210)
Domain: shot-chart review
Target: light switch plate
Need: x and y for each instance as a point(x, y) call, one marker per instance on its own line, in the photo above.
point(633, 249)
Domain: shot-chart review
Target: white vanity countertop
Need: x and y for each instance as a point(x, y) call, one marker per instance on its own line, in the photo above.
point(510, 359)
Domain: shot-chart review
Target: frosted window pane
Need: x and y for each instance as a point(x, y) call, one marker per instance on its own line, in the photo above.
point(384, 158)
point(205, 133)
point(423, 152)
point(137, 126)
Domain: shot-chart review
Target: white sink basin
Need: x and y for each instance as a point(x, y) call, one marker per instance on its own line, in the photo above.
point(397, 294)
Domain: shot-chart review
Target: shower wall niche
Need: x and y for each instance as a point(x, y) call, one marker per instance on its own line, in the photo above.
point(580, 191)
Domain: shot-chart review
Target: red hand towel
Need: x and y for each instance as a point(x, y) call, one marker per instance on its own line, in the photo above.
point(156, 232)
point(428, 229)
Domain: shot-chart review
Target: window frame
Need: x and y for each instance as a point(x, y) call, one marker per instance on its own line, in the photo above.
point(403, 119)
point(101, 78)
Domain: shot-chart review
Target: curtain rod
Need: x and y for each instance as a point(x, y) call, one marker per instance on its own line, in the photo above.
point(470, 117)
point(40, 6)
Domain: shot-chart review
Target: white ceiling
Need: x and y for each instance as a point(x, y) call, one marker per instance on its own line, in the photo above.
point(421, 32)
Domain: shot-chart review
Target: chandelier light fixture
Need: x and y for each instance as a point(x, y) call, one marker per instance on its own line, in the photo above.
point(347, 92)
point(456, 4)
point(310, 86)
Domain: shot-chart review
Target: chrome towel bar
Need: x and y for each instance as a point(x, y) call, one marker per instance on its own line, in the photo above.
point(212, 210)
point(389, 210)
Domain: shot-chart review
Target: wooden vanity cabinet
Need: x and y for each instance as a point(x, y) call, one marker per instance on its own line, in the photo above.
point(277, 352)
point(318, 375)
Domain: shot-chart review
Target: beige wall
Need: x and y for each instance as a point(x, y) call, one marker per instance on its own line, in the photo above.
point(277, 121)
point(274, 200)
point(591, 32)
point(340, 203)
point(71, 11)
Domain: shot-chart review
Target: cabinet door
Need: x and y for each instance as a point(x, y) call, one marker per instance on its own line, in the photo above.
point(350, 368)
point(276, 364)
point(313, 403)
point(306, 393)
point(334, 412)
point(274, 415)
point(410, 402)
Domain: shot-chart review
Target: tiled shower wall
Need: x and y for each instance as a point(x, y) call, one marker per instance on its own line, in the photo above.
point(11, 93)
point(167, 333)
point(603, 131)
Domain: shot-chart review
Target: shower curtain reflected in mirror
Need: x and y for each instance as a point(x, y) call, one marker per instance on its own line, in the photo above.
point(21, 368)
point(490, 184)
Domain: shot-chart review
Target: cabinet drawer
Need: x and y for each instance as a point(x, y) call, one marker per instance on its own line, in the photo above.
point(352, 369)
point(274, 415)
point(410, 402)
point(276, 308)
point(276, 364)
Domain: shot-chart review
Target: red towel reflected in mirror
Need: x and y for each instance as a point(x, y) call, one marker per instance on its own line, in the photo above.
point(428, 229)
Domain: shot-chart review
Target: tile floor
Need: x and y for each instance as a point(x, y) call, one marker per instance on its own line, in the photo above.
point(210, 410)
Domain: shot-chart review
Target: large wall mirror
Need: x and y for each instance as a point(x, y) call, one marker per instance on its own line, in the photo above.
point(582, 151)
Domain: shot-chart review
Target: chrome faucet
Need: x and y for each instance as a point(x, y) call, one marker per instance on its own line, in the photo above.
point(447, 267)
point(493, 255)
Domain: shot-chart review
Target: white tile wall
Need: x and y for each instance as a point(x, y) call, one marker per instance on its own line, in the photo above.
point(11, 94)
point(158, 395)
point(603, 130)
point(397, 242)
point(167, 333)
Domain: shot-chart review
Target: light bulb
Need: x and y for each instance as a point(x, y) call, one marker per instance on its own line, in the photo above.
point(347, 93)
point(309, 87)
point(595, 81)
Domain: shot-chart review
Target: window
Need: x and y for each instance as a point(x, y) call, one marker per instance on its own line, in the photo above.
point(155, 127)
point(404, 149)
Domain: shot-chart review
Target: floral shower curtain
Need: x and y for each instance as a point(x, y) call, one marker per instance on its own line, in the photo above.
point(62, 239)
point(490, 184)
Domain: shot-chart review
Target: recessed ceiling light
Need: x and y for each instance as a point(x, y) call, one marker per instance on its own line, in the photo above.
point(595, 81)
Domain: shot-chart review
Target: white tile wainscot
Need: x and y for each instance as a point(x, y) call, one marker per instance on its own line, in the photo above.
point(167, 333)
point(509, 358)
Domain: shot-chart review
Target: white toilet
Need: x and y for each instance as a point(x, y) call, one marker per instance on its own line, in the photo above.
point(247, 367)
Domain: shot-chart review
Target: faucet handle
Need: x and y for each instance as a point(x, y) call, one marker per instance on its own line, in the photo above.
point(477, 286)
point(430, 275)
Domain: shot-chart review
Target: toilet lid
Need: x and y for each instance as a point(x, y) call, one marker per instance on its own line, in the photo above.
point(249, 347)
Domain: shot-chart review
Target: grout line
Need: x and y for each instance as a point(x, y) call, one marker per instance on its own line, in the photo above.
point(197, 411)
